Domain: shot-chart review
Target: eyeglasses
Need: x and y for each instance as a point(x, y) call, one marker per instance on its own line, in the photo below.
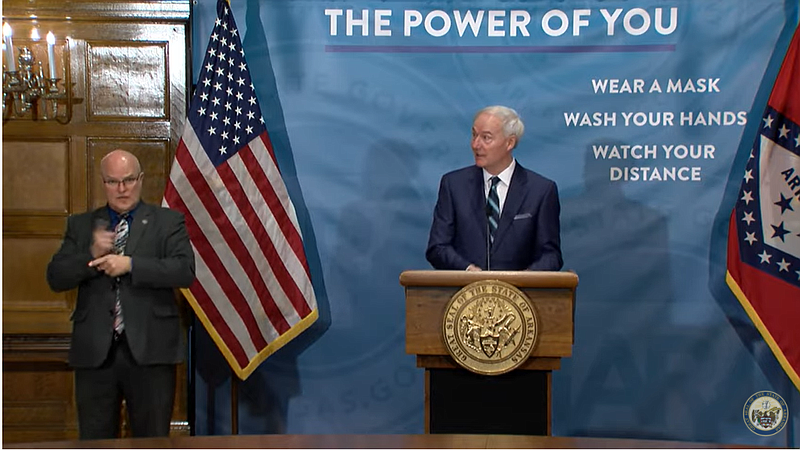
point(127, 182)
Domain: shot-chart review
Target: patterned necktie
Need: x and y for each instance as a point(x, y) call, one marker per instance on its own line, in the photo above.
point(493, 205)
point(120, 239)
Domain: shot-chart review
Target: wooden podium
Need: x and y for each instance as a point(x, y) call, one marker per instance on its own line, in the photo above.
point(427, 295)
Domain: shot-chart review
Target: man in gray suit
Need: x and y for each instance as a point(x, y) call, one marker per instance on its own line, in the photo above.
point(126, 259)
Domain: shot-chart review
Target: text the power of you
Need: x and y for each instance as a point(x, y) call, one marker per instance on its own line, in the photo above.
point(500, 23)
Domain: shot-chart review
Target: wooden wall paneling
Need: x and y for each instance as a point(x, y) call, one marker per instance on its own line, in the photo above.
point(126, 65)
point(38, 402)
point(35, 177)
point(127, 80)
point(28, 304)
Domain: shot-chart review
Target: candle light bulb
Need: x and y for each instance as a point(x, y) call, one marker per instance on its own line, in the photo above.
point(35, 35)
point(11, 65)
point(51, 57)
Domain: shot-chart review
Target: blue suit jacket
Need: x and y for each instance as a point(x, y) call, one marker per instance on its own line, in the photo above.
point(528, 236)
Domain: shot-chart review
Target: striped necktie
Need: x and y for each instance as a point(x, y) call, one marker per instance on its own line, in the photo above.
point(493, 203)
point(120, 240)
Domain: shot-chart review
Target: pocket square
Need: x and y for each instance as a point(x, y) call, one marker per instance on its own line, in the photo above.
point(522, 216)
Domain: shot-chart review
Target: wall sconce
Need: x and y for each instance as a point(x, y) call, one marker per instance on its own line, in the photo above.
point(27, 93)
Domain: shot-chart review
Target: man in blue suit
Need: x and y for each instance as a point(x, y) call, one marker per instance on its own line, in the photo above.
point(518, 224)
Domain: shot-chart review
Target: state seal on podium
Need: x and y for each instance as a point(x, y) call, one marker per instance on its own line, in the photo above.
point(490, 327)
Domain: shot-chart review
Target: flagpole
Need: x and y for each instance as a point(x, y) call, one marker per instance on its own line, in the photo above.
point(234, 403)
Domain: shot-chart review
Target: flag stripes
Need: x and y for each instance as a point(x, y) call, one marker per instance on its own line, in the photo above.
point(253, 291)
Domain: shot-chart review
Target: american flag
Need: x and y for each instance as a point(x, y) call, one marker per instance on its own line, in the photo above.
point(764, 230)
point(253, 291)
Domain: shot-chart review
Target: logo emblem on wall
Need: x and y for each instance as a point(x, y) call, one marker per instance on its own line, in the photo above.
point(490, 327)
point(765, 413)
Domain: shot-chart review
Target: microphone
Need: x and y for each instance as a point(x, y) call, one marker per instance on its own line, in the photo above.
point(488, 237)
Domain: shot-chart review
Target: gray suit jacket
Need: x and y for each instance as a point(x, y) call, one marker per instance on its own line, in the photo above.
point(162, 259)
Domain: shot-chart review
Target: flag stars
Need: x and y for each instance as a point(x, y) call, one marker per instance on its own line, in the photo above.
point(224, 94)
point(783, 266)
point(779, 232)
point(768, 122)
point(751, 237)
point(748, 217)
point(748, 175)
point(785, 203)
point(797, 141)
point(765, 257)
point(747, 197)
point(784, 132)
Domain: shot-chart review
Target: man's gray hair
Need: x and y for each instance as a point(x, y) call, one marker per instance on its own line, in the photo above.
point(512, 124)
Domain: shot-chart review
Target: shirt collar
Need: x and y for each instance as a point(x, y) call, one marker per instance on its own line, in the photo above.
point(115, 215)
point(505, 175)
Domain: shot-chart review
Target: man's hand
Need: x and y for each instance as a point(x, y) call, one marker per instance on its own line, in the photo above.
point(102, 242)
point(112, 265)
point(473, 268)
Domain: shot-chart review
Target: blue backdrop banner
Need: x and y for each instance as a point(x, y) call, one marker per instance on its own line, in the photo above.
point(636, 109)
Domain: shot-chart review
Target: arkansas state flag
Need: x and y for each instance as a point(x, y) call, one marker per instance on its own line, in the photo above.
point(764, 230)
